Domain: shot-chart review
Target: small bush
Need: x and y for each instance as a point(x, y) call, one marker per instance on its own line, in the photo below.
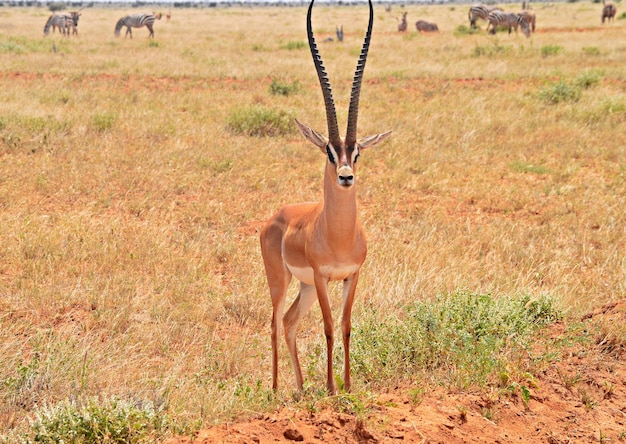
point(103, 122)
point(560, 92)
point(614, 105)
point(259, 121)
point(278, 88)
point(591, 50)
point(460, 335)
point(622, 16)
point(490, 50)
point(465, 30)
point(551, 50)
point(22, 45)
point(587, 79)
point(111, 421)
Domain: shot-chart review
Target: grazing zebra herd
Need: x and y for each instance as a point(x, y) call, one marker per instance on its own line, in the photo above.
point(511, 20)
point(63, 22)
point(68, 23)
point(497, 17)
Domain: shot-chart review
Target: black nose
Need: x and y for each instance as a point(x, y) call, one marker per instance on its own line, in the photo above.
point(346, 178)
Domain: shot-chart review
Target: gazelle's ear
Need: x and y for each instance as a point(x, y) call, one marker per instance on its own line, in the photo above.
point(372, 140)
point(313, 136)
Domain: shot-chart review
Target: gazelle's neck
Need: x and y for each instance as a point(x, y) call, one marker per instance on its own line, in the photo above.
point(339, 212)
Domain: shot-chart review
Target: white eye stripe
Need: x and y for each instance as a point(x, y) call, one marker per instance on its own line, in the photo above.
point(355, 154)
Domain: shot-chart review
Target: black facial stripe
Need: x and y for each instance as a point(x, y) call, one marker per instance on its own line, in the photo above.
point(330, 155)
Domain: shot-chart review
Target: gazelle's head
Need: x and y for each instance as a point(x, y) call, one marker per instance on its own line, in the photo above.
point(342, 153)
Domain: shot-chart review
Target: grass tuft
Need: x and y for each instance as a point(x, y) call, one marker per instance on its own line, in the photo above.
point(293, 45)
point(551, 50)
point(490, 50)
point(260, 121)
point(560, 91)
point(465, 30)
point(278, 88)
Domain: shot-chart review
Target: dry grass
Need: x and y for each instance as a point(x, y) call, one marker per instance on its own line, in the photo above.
point(129, 258)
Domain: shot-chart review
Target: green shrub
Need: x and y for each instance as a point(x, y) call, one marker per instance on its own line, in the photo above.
point(278, 88)
point(551, 50)
point(103, 122)
point(587, 79)
point(22, 45)
point(591, 50)
point(460, 335)
point(465, 30)
point(490, 50)
point(110, 421)
point(560, 91)
point(259, 121)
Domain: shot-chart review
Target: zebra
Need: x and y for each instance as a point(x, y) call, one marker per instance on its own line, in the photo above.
point(608, 11)
point(402, 25)
point(423, 26)
point(58, 21)
point(529, 17)
point(72, 21)
point(136, 21)
point(480, 11)
point(339, 32)
point(507, 19)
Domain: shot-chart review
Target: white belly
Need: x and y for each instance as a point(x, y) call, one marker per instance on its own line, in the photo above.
point(335, 272)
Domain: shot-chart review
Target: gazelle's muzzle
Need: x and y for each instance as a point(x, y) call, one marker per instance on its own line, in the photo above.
point(345, 176)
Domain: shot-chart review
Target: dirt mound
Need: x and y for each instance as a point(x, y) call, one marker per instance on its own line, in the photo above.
point(579, 397)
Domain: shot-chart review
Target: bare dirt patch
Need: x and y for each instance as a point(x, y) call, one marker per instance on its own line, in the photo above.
point(580, 397)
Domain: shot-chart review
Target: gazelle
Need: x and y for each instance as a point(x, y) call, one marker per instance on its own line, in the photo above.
point(320, 242)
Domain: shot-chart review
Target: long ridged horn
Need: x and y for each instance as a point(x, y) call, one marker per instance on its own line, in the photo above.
point(331, 114)
point(353, 112)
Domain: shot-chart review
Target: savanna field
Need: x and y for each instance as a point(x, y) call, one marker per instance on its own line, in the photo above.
point(136, 175)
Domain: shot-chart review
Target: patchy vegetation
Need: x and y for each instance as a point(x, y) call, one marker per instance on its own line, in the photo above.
point(136, 174)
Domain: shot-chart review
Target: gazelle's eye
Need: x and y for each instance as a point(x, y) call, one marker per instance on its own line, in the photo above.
point(356, 157)
point(330, 155)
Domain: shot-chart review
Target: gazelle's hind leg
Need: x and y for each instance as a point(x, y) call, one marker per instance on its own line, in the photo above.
point(303, 302)
point(278, 282)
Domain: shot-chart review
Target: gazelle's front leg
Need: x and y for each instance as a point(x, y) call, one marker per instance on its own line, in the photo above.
point(349, 288)
point(321, 286)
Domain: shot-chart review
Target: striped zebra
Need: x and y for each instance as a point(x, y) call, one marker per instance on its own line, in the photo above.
point(402, 25)
point(136, 21)
point(63, 22)
point(529, 18)
point(507, 20)
point(608, 12)
point(424, 26)
point(479, 11)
